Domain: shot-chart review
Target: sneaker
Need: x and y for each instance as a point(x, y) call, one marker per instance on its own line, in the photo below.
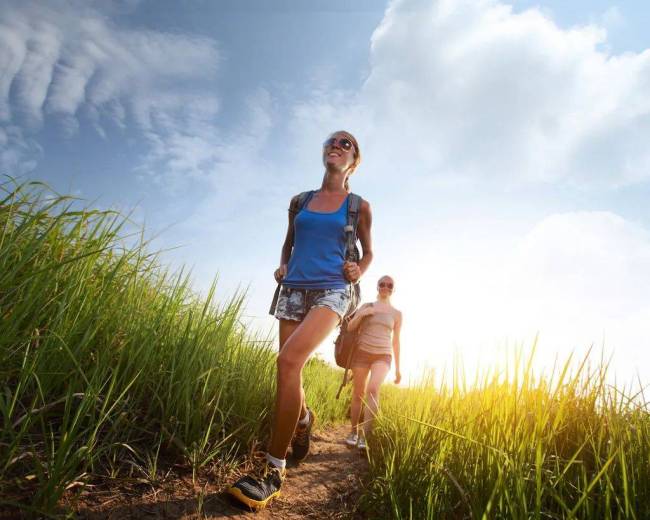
point(352, 439)
point(301, 439)
point(362, 444)
point(258, 488)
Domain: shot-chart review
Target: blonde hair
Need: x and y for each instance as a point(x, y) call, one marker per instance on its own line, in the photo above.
point(357, 155)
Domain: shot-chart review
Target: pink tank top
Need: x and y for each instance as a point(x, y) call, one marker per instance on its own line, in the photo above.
point(376, 334)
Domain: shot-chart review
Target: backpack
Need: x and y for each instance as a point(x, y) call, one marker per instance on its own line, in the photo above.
point(347, 342)
point(352, 253)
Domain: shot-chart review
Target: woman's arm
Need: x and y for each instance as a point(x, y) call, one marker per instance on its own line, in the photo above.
point(287, 247)
point(396, 346)
point(365, 310)
point(352, 270)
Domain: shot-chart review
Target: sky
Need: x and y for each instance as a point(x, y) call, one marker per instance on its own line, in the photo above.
point(504, 151)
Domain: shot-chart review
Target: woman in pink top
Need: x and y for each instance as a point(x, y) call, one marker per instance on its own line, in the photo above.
point(380, 324)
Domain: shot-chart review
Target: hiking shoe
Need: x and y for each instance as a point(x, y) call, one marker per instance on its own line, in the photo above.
point(301, 438)
point(362, 444)
point(352, 439)
point(259, 487)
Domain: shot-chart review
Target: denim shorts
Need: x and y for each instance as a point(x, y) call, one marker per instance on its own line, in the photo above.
point(294, 304)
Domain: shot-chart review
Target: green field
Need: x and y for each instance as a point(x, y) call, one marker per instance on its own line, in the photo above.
point(514, 446)
point(111, 366)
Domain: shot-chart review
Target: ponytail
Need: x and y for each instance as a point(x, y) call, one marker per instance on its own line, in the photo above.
point(357, 158)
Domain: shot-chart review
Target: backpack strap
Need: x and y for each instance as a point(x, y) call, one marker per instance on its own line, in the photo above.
point(354, 204)
point(300, 201)
point(297, 203)
point(274, 301)
point(352, 253)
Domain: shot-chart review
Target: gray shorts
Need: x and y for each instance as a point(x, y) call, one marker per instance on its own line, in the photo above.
point(294, 304)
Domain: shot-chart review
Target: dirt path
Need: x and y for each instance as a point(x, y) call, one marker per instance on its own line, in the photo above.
point(325, 486)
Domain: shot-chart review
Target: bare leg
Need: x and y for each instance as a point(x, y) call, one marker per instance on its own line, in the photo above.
point(287, 327)
point(359, 378)
point(378, 372)
point(318, 323)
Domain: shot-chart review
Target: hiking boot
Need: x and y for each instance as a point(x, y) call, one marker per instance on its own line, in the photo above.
point(352, 440)
point(259, 487)
point(301, 438)
point(362, 444)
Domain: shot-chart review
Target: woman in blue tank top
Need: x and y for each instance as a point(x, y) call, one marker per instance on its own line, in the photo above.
point(316, 293)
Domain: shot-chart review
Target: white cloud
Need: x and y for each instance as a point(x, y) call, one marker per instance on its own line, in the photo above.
point(18, 153)
point(193, 149)
point(597, 259)
point(12, 56)
point(68, 60)
point(578, 279)
point(471, 89)
point(581, 279)
point(240, 190)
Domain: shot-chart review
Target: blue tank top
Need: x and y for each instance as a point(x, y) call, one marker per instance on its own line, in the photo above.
point(318, 249)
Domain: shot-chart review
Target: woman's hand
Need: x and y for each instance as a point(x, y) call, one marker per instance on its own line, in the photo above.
point(351, 271)
point(280, 273)
point(398, 377)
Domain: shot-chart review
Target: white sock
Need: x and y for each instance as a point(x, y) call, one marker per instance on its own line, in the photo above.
point(305, 420)
point(278, 463)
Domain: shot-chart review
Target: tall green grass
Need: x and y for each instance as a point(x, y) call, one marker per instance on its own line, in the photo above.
point(109, 362)
point(512, 446)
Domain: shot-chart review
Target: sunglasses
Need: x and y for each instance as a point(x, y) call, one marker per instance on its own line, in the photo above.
point(386, 284)
point(343, 143)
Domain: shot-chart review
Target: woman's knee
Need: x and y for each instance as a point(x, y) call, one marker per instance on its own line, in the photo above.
point(373, 392)
point(288, 364)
